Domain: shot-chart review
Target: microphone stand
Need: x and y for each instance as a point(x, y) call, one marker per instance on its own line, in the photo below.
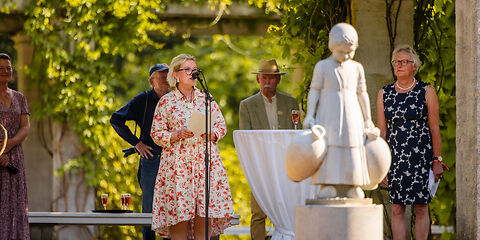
point(208, 100)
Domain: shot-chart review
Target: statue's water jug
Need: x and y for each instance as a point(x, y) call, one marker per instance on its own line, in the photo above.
point(305, 153)
point(379, 158)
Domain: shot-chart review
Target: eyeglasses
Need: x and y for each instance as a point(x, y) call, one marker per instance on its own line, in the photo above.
point(403, 62)
point(188, 71)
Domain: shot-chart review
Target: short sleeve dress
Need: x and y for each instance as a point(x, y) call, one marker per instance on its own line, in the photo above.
point(410, 141)
point(13, 187)
point(180, 185)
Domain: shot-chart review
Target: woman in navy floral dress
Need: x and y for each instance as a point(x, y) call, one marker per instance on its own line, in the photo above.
point(408, 120)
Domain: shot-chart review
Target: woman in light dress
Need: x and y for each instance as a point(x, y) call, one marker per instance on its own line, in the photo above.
point(179, 199)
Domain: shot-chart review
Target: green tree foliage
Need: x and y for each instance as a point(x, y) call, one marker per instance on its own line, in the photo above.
point(303, 35)
point(84, 53)
point(78, 45)
point(92, 56)
point(435, 41)
point(227, 63)
point(7, 5)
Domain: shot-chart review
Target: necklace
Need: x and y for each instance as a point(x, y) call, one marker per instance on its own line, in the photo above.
point(189, 104)
point(407, 88)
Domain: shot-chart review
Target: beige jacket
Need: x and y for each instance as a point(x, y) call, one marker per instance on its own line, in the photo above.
point(253, 115)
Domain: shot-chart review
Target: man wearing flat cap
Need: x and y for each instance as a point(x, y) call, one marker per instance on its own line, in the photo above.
point(141, 109)
point(268, 109)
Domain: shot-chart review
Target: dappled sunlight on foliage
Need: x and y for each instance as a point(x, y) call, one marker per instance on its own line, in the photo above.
point(92, 57)
point(303, 35)
point(238, 185)
point(227, 63)
point(435, 41)
point(78, 44)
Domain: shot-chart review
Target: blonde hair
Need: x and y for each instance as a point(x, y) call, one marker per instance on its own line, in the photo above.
point(408, 49)
point(175, 64)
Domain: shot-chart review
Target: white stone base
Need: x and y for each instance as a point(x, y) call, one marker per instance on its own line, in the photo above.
point(340, 221)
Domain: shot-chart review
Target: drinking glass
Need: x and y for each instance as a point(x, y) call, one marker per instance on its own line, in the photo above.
point(123, 200)
point(127, 200)
point(104, 201)
point(295, 117)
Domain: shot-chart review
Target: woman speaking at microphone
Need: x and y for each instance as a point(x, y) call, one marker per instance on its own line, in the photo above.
point(179, 200)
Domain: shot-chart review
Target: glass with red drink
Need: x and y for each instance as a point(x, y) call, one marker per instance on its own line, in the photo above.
point(127, 200)
point(295, 117)
point(123, 200)
point(104, 201)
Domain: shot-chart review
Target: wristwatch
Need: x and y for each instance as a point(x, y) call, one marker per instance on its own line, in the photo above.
point(439, 159)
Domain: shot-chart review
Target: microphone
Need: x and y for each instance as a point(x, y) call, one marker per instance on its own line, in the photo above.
point(196, 74)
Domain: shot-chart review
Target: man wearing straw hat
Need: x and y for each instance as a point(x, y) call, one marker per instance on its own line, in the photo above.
point(267, 109)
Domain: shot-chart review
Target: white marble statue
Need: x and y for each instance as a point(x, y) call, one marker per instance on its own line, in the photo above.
point(338, 101)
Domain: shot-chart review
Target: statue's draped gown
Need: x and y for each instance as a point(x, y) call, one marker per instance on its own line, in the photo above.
point(339, 112)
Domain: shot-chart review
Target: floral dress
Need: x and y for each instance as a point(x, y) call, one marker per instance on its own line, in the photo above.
point(180, 184)
point(13, 187)
point(408, 136)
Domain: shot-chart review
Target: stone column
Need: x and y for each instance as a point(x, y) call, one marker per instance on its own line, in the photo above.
point(48, 146)
point(467, 14)
point(71, 193)
point(369, 18)
point(38, 160)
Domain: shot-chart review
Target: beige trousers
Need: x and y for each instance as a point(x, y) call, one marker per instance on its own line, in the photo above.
point(257, 223)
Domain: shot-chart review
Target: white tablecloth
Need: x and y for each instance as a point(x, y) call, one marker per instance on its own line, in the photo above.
point(262, 156)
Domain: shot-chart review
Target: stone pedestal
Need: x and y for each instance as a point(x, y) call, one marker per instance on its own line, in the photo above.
point(36, 147)
point(339, 219)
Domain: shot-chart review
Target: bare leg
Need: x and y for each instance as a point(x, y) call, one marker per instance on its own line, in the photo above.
point(399, 227)
point(422, 221)
point(179, 231)
point(199, 228)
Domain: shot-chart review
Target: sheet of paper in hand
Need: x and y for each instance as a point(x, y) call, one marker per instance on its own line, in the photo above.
point(432, 185)
point(197, 124)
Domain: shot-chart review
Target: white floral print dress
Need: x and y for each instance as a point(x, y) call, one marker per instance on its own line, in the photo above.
point(180, 185)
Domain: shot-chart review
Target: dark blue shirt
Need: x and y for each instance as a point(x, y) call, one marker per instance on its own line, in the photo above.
point(134, 110)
